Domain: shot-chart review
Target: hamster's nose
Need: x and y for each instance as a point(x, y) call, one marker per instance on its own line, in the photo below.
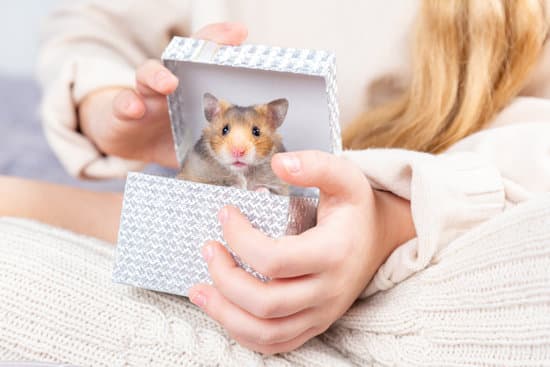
point(238, 152)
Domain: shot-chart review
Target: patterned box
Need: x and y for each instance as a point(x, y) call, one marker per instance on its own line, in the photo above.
point(165, 221)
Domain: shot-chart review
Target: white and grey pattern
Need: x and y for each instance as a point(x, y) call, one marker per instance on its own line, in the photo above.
point(165, 221)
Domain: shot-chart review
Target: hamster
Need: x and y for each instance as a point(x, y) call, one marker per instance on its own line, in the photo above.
point(236, 146)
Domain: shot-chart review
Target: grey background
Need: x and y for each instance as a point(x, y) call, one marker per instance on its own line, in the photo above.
point(24, 151)
point(306, 125)
point(20, 23)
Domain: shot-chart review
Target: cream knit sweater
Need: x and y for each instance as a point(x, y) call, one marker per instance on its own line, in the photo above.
point(485, 301)
point(93, 44)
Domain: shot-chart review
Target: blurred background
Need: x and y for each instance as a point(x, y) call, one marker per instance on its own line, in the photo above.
point(24, 151)
point(19, 34)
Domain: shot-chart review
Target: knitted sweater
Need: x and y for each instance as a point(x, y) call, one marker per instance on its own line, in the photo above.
point(93, 44)
point(484, 300)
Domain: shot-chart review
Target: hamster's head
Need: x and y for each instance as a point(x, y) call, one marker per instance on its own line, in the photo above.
point(239, 137)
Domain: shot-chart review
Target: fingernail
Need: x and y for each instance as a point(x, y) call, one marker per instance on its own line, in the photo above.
point(198, 299)
point(291, 163)
point(207, 252)
point(223, 214)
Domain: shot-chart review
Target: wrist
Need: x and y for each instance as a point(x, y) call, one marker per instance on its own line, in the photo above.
point(395, 221)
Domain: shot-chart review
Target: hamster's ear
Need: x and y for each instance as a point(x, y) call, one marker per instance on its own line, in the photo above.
point(211, 105)
point(276, 112)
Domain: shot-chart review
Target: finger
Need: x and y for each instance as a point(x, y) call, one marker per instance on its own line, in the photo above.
point(246, 327)
point(153, 79)
point(156, 111)
point(285, 257)
point(282, 347)
point(334, 176)
point(225, 33)
point(275, 299)
point(127, 105)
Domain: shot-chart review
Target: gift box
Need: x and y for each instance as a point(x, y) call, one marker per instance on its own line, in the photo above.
point(166, 220)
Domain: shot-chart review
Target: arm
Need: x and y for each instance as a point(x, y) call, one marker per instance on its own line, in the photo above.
point(88, 47)
point(518, 146)
point(451, 193)
point(82, 211)
point(448, 194)
point(398, 226)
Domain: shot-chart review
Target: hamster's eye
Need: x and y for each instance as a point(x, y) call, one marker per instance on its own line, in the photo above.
point(225, 130)
point(256, 131)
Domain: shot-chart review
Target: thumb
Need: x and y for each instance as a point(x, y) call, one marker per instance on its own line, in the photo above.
point(225, 33)
point(334, 176)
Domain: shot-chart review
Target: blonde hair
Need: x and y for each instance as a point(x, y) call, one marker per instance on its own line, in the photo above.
point(469, 59)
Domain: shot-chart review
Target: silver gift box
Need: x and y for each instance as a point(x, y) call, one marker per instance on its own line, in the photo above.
point(165, 221)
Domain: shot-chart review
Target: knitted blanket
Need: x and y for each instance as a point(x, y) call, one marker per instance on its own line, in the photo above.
point(485, 300)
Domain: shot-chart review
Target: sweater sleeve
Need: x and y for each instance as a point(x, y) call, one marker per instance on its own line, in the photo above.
point(453, 192)
point(91, 45)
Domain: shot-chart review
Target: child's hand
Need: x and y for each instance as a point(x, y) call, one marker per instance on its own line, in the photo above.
point(316, 276)
point(134, 123)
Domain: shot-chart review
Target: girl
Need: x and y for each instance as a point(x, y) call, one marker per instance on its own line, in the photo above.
point(465, 115)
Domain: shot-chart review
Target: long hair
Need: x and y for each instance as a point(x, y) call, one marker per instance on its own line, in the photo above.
point(469, 59)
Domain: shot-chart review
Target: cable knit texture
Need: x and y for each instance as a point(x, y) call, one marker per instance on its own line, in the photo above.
point(484, 300)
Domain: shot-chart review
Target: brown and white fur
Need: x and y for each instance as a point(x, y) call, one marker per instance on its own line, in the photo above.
point(236, 146)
